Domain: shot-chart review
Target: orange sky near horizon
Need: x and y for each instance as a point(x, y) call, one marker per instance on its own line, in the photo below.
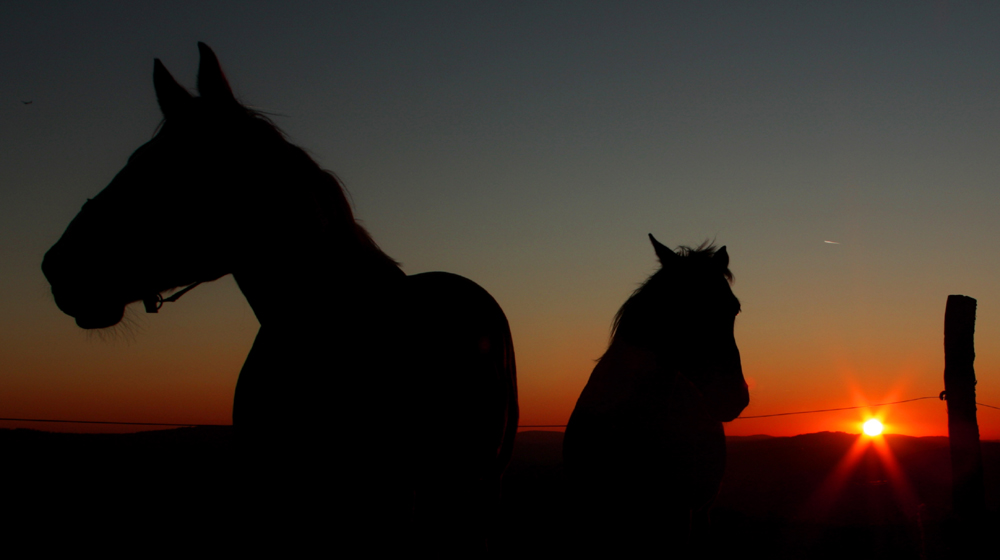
point(181, 365)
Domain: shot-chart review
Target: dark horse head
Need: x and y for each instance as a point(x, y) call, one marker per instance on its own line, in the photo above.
point(685, 313)
point(185, 209)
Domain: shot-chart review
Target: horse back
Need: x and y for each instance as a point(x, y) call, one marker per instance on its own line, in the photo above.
point(467, 379)
point(428, 368)
point(464, 388)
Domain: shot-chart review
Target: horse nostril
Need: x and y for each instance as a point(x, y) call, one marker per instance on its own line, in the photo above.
point(48, 266)
point(55, 265)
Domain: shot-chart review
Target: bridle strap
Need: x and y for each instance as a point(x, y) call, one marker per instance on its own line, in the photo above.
point(155, 302)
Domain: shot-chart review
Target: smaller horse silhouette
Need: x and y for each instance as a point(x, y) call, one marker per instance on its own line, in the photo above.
point(644, 448)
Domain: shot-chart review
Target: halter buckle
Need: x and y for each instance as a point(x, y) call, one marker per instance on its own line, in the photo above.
point(153, 303)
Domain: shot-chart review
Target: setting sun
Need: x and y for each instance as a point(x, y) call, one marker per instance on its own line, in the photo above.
point(872, 427)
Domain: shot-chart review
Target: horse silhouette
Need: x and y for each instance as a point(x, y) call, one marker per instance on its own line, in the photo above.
point(387, 400)
point(644, 448)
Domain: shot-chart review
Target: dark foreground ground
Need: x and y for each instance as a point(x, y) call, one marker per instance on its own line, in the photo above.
point(794, 497)
point(782, 497)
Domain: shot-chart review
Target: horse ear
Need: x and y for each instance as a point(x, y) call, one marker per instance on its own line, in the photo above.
point(662, 251)
point(212, 83)
point(171, 96)
point(721, 258)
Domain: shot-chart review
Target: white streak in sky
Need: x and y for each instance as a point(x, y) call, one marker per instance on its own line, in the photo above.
point(832, 242)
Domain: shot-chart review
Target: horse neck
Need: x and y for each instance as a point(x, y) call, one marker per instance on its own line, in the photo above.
point(302, 262)
point(634, 334)
point(640, 357)
point(287, 290)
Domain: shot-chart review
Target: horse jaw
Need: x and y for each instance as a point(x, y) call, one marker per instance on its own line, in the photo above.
point(726, 401)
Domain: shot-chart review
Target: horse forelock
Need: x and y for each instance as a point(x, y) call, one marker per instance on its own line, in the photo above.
point(703, 253)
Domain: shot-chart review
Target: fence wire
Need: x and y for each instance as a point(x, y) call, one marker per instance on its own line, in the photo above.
point(184, 425)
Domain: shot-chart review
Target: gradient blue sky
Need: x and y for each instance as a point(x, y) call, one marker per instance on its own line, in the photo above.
point(531, 147)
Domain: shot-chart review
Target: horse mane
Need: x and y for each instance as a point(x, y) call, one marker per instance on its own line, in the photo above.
point(696, 256)
point(327, 188)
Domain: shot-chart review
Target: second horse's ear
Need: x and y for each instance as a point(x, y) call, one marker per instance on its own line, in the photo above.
point(662, 251)
point(212, 83)
point(721, 258)
point(171, 96)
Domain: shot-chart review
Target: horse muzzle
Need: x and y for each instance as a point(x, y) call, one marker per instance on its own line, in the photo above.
point(89, 310)
point(89, 305)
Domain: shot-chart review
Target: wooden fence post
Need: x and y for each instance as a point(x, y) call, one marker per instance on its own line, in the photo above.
point(968, 501)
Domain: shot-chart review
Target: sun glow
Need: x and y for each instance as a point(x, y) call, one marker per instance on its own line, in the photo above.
point(872, 427)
